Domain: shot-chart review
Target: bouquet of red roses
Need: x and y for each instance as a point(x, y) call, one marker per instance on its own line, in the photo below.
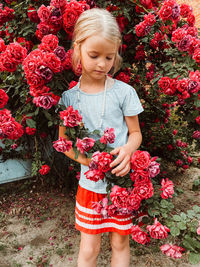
point(125, 195)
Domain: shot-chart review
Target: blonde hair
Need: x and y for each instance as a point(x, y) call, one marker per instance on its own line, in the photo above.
point(96, 21)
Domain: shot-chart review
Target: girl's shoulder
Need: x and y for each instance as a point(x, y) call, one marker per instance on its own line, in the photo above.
point(70, 91)
point(122, 87)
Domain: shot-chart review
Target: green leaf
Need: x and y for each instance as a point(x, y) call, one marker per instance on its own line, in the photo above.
point(47, 115)
point(191, 213)
point(76, 151)
point(181, 225)
point(151, 212)
point(50, 123)
point(36, 111)
point(183, 215)
point(197, 103)
point(164, 203)
point(174, 231)
point(187, 245)
point(194, 258)
point(177, 218)
point(196, 208)
point(31, 123)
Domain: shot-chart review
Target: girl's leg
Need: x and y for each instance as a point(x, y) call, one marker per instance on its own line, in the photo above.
point(89, 250)
point(120, 250)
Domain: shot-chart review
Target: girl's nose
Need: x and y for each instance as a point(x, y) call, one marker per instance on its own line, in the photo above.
point(102, 63)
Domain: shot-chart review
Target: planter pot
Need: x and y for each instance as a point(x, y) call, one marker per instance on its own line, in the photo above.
point(14, 169)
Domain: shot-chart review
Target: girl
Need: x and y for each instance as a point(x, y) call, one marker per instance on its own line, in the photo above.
point(103, 102)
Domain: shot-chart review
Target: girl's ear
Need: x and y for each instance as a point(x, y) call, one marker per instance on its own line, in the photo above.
point(77, 49)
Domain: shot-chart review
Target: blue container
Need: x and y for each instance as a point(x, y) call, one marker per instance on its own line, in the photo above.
point(14, 169)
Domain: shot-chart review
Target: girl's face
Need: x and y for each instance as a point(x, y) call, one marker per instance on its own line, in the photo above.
point(97, 56)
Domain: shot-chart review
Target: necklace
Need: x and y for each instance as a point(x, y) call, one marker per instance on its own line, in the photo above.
point(103, 106)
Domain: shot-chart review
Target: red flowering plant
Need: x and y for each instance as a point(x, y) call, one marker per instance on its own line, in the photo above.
point(168, 45)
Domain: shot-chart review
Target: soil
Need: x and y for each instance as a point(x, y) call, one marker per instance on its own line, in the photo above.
point(37, 228)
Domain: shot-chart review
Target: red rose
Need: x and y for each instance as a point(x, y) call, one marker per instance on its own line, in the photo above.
point(146, 3)
point(185, 10)
point(62, 145)
point(198, 120)
point(167, 188)
point(140, 160)
point(2, 45)
point(3, 98)
point(32, 61)
point(178, 35)
point(52, 61)
point(150, 19)
point(196, 55)
point(72, 84)
point(30, 131)
point(44, 29)
point(191, 19)
point(44, 13)
point(172, 250)
point(35, 80)
point(38, 91)
point(6, 64)
point(51, 41)
point(142, 29)
point(138, 235)
point(119, 196)
point(67, 63)
point(108, 136)
point(133, 201)
point(182, 85)
point(195, 76)
point(70, 117)
point(58, 3)
point(143, 189)
point(85, 144)
point(164, 83)
point(165, 12)
point(122, 22)
point(104, 161)
point(44, 101)
point(11, 129)
point(32, 14)
point(157, 230)
point(94, 175)
point(44, 169)
point(123, 77)
point(69, 19)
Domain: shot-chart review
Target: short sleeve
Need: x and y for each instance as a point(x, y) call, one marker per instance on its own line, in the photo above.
point(64, 100)
point(131, 105)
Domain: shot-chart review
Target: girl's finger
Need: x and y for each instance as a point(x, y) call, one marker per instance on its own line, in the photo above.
point(124, 171)
point(115, 151)
point(121, 166)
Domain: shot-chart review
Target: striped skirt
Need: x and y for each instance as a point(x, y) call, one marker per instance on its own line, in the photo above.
point(89, 221)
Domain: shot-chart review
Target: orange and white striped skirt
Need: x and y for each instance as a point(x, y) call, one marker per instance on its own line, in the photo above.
point(89, 221)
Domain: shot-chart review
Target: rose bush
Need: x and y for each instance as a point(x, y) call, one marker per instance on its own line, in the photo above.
point(161, 53)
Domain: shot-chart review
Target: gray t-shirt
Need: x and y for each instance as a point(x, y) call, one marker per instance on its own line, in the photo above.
point(121, 100)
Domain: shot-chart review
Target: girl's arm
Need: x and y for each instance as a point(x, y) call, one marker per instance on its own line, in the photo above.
point(125, 152)
point(82, 159)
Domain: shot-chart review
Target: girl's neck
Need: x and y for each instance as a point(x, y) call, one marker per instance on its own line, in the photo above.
point(89, 85)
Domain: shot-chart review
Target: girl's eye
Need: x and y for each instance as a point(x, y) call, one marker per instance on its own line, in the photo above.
point(109, 58)
point(93, 56)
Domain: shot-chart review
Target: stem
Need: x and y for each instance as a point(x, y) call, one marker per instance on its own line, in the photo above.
point(51, 161)
point(138, 4)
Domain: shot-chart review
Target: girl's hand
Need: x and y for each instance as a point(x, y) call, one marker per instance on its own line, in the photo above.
point(122, 160)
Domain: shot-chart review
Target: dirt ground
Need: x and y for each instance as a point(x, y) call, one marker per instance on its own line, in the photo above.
point(37, 229)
